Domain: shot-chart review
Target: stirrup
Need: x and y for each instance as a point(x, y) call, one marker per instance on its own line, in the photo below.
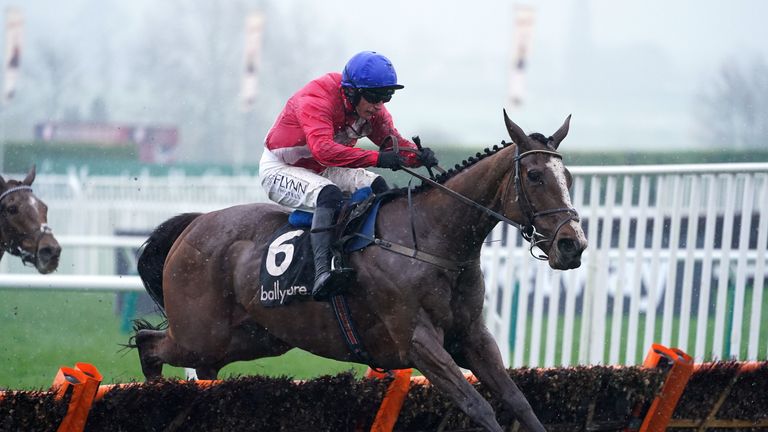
point(338, 270)
point(336, 281)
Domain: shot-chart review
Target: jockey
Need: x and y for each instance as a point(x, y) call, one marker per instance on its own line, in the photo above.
point(310, 156)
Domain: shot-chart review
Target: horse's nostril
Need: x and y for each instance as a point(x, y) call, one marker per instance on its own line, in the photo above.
point(48, 253)
point(567, 246)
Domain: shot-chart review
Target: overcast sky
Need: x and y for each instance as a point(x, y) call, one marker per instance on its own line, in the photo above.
point(629, 72)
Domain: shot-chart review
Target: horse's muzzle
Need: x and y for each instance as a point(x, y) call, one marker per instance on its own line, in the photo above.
point(48, 253)
point(568, 247)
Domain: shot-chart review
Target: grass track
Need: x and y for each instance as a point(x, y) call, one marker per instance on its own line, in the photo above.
point(41, 331)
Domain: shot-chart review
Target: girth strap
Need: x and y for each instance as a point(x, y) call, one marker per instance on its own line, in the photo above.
point(348, 330)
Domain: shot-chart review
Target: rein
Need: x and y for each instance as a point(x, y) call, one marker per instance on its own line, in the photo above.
point(528, 231)
point(27, 258)
point(464, 199)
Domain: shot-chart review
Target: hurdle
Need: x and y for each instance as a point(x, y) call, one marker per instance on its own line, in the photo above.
point(80, 388)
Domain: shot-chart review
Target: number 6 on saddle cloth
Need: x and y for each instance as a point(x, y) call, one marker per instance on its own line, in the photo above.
point(288, 269)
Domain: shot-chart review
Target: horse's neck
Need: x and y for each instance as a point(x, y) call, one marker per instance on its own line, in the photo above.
point(460, 224)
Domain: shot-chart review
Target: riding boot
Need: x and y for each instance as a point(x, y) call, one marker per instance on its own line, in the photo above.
point(321, 247)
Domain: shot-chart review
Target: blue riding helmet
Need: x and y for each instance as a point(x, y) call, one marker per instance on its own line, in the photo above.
point(370, 70)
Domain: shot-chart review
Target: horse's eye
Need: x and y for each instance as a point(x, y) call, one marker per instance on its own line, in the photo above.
point(534, 176)
point(11, 210)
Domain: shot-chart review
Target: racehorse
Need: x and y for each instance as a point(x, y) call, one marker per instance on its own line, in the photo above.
point(24, 229)
point(203, 269)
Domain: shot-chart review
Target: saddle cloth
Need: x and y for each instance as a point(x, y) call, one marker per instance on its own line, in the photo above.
point(288, 266)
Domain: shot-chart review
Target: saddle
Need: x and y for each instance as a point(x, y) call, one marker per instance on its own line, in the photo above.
point(287, 267)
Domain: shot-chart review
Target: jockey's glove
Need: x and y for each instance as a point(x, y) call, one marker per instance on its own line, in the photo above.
point(390, 160)
point(427, 157)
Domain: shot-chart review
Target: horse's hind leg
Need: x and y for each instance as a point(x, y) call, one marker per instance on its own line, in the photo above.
point(157, 347)
point(147, 342)
point(249, 342)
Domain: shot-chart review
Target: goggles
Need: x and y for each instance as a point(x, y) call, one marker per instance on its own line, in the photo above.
point(375, 96)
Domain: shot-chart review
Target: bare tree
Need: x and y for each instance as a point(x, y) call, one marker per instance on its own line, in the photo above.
point(188, 71)
point(50, 89)
point(184, 71)
point(55, 71)
point(732, 110)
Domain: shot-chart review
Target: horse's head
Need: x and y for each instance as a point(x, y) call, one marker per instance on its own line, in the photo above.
point(541, 181)
point(24, 229)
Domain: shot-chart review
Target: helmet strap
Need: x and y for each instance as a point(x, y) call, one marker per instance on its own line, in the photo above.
point(353, 95)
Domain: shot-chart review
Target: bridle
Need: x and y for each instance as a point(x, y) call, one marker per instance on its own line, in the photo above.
point(527, 230)
point(27, 258)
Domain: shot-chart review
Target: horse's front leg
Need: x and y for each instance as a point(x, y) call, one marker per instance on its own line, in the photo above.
point(429, 356)
point(482, 355)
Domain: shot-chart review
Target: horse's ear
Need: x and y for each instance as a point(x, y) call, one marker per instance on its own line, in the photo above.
point(30, 176)
point(561, 133)
point(2, 183)
point(515, 132)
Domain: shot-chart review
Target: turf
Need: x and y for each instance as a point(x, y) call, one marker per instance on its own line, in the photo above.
point(41, 331)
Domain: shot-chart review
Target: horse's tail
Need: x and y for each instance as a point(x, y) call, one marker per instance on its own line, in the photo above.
point(154, 251)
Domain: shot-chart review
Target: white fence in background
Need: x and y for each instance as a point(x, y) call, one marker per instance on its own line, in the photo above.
point(87, 213)
point(609, 310)
point(676, 255)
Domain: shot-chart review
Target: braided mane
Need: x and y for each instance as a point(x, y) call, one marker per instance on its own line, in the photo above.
point(470, 161)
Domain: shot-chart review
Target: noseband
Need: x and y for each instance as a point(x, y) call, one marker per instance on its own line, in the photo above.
point(528, 231)
point(28, 258)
